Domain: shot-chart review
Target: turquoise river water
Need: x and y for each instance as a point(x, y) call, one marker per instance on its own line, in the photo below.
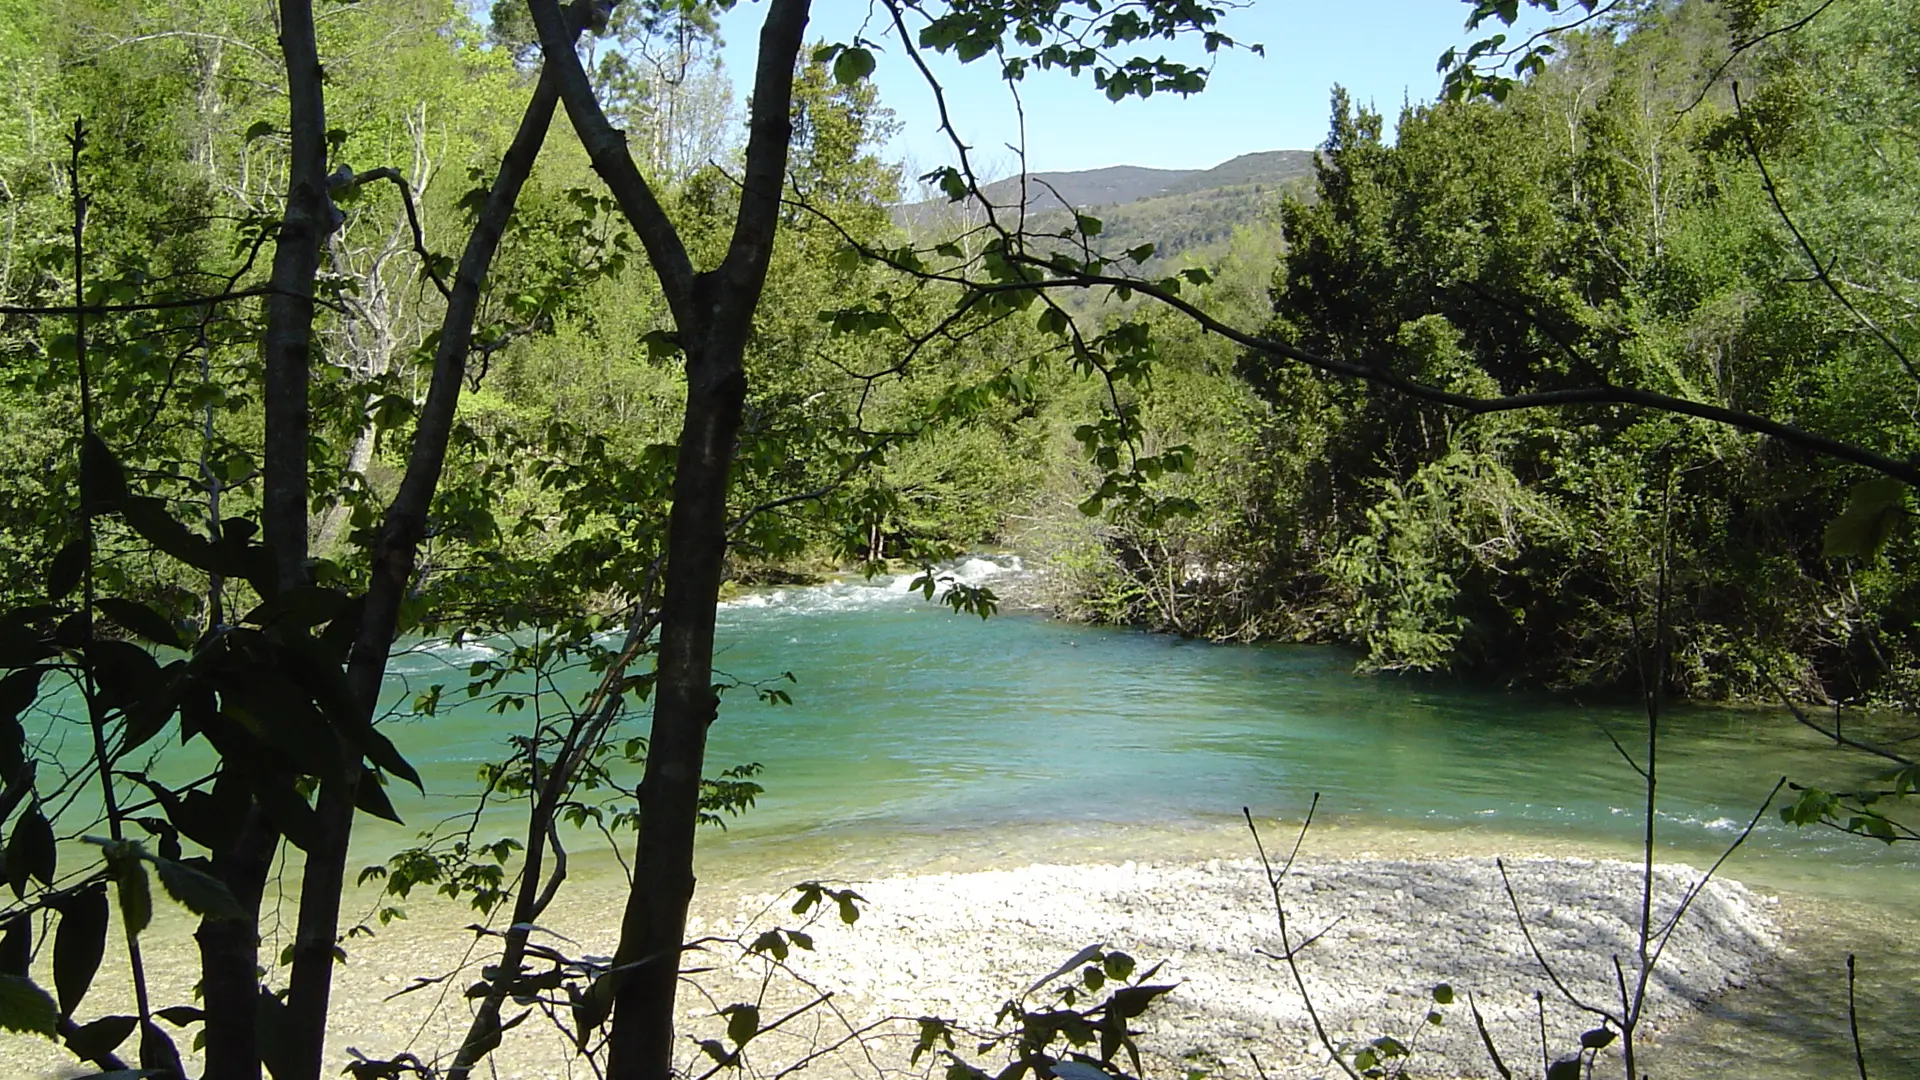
point(920, 738)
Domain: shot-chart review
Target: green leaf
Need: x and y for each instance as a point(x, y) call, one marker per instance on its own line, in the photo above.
point(69, 563)
point(302, 606)
point(16, 945)
point(180, 1015)
point(18, 691)
point(1131, 1001)
point(158, 1052)
point(149, 517)
point(26, 1008)
point(197, 891)
point(1443, 994)
point(371, 797)
point(140, 620)
point(101, 1037)
point(772, 943)
point(1564, 1069)
point(1874, 508)
point(852, 65)
point(103, 484)
point(30, 851)
point(128, 675)
point(78, 943)
point(131, 887)
point(287, 810)
point(743, 1023)
point(1088, 955)
point(1597, 1039)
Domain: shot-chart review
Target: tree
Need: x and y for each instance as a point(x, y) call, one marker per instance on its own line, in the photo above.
point(312, 652)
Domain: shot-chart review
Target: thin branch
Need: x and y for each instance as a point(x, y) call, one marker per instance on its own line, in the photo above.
point(161, 305)
point(427, 257)
point(1822, 271)
point(1274, 881)
point(606, 148)
point(1835, 735)
point(1680, 912)
point(1741, 47)
point(1600, 394)
point(1527, 932)
point(859, 462)
point(1853, 1023)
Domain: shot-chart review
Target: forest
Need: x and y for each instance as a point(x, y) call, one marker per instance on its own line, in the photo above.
point(322, 331)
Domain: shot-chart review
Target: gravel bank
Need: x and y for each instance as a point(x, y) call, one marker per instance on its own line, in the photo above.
point(958, 944)
point(1384, 932)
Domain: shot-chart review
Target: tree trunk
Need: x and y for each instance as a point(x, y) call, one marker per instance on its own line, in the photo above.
point(310, 985)
point(288, 342)
point(230, 952)
point(641, 1042)
point(713, 313)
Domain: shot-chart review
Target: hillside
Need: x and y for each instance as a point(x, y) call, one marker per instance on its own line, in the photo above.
point(1184, 213)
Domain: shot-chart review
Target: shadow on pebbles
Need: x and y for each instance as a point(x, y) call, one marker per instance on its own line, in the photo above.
point(1373, 938)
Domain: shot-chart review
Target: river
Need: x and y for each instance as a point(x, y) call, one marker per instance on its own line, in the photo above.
point(918, 739)
point(921, 739)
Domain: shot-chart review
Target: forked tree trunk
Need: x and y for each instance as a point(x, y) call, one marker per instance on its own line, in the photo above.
point(230, 949)
point(713, 313)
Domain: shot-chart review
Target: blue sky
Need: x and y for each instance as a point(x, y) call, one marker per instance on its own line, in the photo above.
point(1383, 51)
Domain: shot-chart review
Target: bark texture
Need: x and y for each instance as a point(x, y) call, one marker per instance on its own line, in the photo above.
point(713, 313)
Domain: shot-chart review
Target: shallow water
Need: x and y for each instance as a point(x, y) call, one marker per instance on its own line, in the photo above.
point(908, 719)
point(918, 738)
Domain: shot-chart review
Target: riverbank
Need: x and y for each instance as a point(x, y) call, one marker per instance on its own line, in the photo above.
point(1372, 939)
point(959, 941)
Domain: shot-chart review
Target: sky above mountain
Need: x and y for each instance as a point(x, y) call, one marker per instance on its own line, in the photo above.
point(1383, 51)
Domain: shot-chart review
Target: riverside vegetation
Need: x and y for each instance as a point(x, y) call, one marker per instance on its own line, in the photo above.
point(260, 423)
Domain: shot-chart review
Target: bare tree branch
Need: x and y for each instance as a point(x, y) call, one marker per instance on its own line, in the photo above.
point(606, 147)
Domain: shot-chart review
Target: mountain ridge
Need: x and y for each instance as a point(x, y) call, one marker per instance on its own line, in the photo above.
point(1182, 212)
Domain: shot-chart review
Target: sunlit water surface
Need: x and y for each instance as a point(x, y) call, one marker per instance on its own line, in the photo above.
point(918, 738)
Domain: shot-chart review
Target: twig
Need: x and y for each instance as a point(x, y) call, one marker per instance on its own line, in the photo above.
point(427, 257)
point(1486, 1039)
point(1597, 394)
point(1740, 47)
point(1540, 1006)
point(1274, 882)
point(1838, 738)
point(1853, 1023)
point(733, 1058)
point(1527, 932)
point(1679, 912)
point(1822, 272)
